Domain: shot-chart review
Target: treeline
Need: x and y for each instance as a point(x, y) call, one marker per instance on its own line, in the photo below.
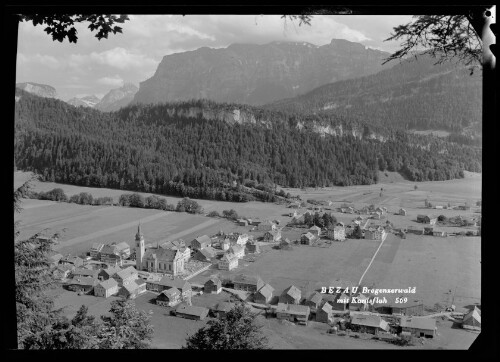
point(146, 149)
point(126, 200)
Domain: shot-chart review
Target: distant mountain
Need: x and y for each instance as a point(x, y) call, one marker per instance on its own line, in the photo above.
point(117, 98)
point(256, 74)
point(412, 95)
point(41, 90)
point(87, 101)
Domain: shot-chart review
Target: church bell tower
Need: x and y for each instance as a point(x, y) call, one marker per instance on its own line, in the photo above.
point(139, 248)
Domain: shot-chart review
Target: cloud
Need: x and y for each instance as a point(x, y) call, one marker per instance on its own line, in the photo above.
point(122, 58)
point(115, 81)
point(38, 59)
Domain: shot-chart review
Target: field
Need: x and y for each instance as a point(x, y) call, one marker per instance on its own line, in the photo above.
point(443, 270)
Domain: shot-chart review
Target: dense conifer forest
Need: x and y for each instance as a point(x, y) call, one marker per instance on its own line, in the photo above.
point(149, 149)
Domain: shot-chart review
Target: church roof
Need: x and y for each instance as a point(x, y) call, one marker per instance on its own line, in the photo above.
point(161, 254)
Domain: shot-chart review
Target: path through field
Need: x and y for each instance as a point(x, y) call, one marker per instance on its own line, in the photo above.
point(371, 261)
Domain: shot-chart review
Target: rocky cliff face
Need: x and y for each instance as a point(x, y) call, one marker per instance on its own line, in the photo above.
point(117, 98)
point(41, 90)
point(256, 74)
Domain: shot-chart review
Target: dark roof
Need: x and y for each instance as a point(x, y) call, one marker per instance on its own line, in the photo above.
point(174, 283)
point(170, 293)
point(203, 240)
point(213, 280)
point(83, 281)
point(127, 272)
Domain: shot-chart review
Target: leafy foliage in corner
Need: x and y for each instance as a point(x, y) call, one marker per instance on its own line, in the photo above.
point(62, 26)
point(238, 330)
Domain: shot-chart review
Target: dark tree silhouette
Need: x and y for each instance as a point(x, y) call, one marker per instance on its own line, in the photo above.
point(62, 26)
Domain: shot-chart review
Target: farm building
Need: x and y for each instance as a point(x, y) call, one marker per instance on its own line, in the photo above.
point(166, 283)
point(206, 254)
point(179, 245)
point(285, 244)
point(221, 309)
point(247, 283)
point(132, 289)
point(253, 247)
point(337, 233)
point(201, 242)
point(375, 233)
point(414, 230)
point(437, 232)
point(228, 262)
point(426, 219)
point(349, 230)
point(264, 294)
point(341, 302)
point(293, 313)
point(291, 295)
point(62, 272)
point(472, 320)
point(359, 303)
point(125, 276)
point(55, 258)
point(82, 272)
point(212, 286)
point(419, 326)
point(242, 222)
point(237, 250)
point(314, 300)
point(169, 298)
point(267, 225)
point(324, 313)
point(402, 212)
point(191, 312)
point(428, 230)
point(82, 284)
point(272, 236)
point(369, 323)
point(73, 260)
point(315, 230)
point(105, 274)
point(106, 288)
point(95, 250)
point(307, 238)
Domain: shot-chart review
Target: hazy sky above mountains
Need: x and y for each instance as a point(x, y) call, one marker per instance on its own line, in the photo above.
point(94, 67)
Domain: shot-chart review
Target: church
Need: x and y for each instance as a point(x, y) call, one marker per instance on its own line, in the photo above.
point(158, 259)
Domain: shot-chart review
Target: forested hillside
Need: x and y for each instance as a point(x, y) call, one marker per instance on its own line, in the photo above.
point(410, 95)
point(151, 149)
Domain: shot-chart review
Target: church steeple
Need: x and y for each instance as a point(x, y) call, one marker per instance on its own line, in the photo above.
point(139, 235)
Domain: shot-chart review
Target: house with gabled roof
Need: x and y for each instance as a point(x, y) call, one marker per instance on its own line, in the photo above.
point(272, 235)
point(253, 247)
point(247, 283)
point(169, 298)
point(419, 326)
point(472, 320)
point(267, 225)
point(369, 323)
point(105, 274)
point(83, 272)
point(132, 289)
point(82, 284)
point(212, 286)
point(315, 230)
point(293, 313)
point(291, 295)
point(207, 254)
point(314, 300)
point(95, 249)
point(62, 272)
point(114, 254)
point(201, 242)
point(402, 212)
point(307, 238)
point(106, 288)
point(191, 312)
point(125, 276)
point(264, 294)
point(228, 261)
point(426, 219)
point(324, 313)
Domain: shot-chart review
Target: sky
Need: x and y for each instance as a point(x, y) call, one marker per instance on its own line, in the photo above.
point(94, 67)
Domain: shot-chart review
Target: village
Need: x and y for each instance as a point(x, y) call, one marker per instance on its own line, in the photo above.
point(172, 271)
